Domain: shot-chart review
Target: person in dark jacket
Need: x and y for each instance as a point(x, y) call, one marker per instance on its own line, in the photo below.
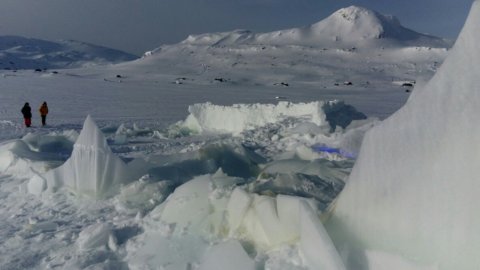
point(27, 114)
point(43, 112)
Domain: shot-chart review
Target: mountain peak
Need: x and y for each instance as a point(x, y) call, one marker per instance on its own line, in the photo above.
point(355, 24)
point(354, 14)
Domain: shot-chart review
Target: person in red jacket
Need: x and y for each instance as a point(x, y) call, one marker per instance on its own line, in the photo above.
point(43, 113)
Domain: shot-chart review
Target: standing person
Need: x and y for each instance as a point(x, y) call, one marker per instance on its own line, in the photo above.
point(27, 114)
point(43, 112)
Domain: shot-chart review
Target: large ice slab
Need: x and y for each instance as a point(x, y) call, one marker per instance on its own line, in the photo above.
point(207, 117)
point(227, 255)
point(315, 243)
point(414, 189)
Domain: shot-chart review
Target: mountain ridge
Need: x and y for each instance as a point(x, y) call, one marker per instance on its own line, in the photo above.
point(17, 52)
point(350, 26)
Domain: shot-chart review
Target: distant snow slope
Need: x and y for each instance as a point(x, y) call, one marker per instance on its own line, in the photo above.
point(351, 26)
point(27, 53)
point(353, 46)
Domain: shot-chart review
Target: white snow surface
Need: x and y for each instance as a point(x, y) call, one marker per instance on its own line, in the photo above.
point(414, 189)
point(230, 152)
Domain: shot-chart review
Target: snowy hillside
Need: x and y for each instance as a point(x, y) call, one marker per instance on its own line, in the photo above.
point(342, 48)
point(348, 27)
point(26, 53)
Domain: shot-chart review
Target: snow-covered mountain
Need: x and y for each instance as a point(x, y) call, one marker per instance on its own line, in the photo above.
point(354, 45)
point(347, 27)
point(27, 53)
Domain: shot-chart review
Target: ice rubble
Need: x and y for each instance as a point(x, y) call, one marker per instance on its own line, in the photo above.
point(94, 236)
point(235, 119)
point(234, 223)
point(225, 210)
point(210, 118)
point(35, 153)
point(226, 214)
point(285, 130)
point(414, 189)
point(92, 168)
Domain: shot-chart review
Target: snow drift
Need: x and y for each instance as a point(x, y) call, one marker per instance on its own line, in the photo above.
point(92, 168)
point(414, 189)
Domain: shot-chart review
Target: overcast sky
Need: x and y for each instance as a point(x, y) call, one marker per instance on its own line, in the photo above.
point(137, 26)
